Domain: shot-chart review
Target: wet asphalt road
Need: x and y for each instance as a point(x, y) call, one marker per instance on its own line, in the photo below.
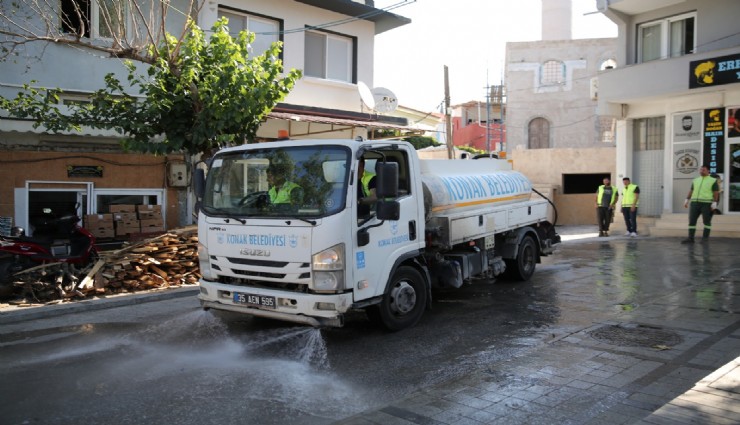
point(170, 362)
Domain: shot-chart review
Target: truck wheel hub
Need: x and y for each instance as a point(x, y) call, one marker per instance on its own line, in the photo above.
point(403, 298)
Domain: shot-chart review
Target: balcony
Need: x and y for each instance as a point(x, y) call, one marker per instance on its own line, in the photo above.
point(652, 80)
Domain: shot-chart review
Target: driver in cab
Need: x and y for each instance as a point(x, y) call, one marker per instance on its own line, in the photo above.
point(282, 190)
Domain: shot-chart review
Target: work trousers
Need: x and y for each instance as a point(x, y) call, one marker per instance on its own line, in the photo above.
point(604, 215)
point(630, 219)
point(703, 209)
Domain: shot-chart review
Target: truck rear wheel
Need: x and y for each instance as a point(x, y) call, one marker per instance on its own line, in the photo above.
point(404, 302)
point(522, 267)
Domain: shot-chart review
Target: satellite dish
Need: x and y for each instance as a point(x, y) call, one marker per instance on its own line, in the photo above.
point(385, 100)
point(366, 95)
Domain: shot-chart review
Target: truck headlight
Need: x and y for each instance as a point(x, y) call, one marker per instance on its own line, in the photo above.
point(204, 262)
point(328, 269)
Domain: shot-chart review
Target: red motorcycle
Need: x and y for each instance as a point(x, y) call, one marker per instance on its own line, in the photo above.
point(55, 240)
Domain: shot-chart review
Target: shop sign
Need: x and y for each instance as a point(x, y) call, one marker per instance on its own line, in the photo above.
point(714, 71)
point(686, 160)
point(687, 127)
point(714, 139)
point(84, 171)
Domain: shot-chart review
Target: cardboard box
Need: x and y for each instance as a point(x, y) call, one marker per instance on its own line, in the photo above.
point(125, 230)
point(92, 220)
point(149, 208)
point(149, 215)
point(125, 216)
point(152, 222)
point(122, 208)
point(152, 229)
point(103, 232)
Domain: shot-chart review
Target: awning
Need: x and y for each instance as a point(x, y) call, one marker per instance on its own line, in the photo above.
point(347, 122)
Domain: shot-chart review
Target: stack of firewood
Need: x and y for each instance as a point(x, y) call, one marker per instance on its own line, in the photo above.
point(168, 260)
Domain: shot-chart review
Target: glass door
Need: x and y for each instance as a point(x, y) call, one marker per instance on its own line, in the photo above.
point(733, 172)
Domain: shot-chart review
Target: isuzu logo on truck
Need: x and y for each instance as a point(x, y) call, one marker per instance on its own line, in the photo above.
point(255, 252)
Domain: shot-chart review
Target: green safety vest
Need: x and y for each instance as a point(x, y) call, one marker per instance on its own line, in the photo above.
point(282, 196)
point(601, 195)
point(702, 189)
point(628, 196)
point(366, 177)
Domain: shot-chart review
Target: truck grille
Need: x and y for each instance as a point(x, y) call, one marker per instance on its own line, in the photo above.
point(260, 263)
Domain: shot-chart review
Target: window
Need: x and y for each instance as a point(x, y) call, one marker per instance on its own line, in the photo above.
point(329, 56)
point(649, 134)
point(266, 30)
point(670, 37)
point(553, 73)
point(608, 64)
point(94, 18)
point(607, 129)
point(539, 133)
point(583, 183)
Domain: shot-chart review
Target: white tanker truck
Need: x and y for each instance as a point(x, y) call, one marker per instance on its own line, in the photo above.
point(285, 232)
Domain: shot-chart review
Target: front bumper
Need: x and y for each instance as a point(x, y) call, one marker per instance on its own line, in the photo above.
point(291, 306)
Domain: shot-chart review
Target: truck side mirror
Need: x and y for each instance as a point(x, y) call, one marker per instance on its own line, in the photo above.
point(199, 182)
point(388, 210)
point(386, 180)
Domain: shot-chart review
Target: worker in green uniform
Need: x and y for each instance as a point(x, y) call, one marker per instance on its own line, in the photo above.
point(282, 190)
point(701, 200)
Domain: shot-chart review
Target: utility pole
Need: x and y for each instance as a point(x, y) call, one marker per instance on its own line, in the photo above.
point(488, 115)
point(448, 118)
point(502, 103)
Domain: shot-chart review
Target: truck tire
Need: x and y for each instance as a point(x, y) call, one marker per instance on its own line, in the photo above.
point(522, 267)
point(403, 303)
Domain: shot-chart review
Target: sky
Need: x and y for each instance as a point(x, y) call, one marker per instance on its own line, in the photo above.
point(469, 36)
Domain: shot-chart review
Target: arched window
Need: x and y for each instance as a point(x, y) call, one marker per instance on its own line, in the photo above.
point(538, 132)
point(553, 73)
point(608, 64)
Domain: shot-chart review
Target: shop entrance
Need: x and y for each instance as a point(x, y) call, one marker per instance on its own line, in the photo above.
point(46, 199)
point(733, 187)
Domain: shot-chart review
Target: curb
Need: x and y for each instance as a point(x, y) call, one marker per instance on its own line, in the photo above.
point(19, 314)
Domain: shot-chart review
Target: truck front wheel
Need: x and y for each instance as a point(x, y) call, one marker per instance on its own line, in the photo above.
point(522, 267)
point(403, 303)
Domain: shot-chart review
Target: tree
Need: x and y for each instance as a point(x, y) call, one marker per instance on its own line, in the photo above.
point(194, 94)
point(421, 142)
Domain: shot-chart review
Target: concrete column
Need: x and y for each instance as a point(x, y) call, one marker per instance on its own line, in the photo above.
point(624, 151)
point(556, 19)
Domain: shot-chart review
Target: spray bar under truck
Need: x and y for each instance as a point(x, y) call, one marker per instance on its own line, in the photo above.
point(288, 231)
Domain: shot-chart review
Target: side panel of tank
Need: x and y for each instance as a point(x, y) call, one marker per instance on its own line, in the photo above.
point(466, 185)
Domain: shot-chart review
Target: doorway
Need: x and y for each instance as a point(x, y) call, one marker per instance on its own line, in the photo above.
point(733, 174)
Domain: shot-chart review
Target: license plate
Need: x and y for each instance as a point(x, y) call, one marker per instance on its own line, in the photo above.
point(254, 300)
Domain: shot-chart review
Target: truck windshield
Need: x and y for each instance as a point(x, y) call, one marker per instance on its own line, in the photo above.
point(281, 182)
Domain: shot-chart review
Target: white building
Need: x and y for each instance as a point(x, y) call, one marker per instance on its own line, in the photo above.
point(675, 96)
point(331, 41)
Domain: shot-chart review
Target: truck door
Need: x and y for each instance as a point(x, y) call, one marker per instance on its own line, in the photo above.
point(388, 240)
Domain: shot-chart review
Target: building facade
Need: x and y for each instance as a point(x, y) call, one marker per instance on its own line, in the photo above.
point(479, 125)
point(331, 41)
point(554, 134)
point(677, 98)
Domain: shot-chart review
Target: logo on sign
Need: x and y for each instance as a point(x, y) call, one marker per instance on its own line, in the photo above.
point(687, 164)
